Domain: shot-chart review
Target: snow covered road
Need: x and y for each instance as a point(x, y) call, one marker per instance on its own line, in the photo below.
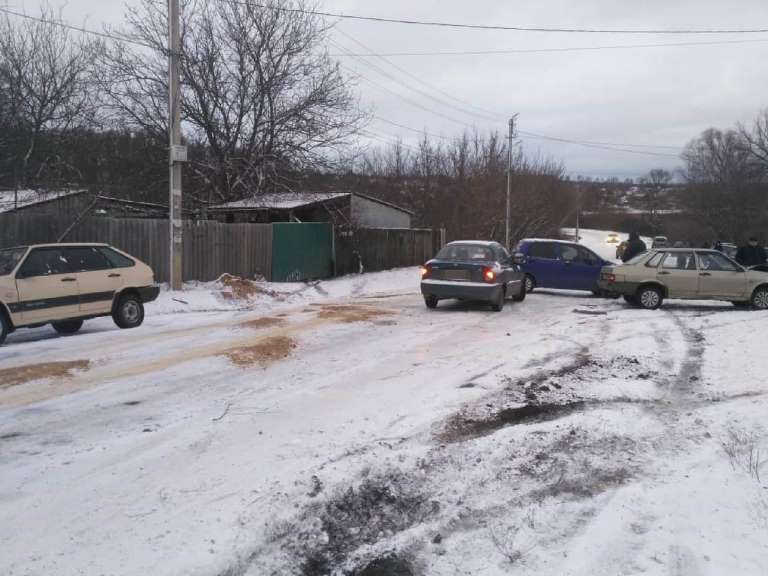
point(352, 427)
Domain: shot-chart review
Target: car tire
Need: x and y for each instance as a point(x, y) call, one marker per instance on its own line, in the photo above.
point(649, 298)
point(520, 296)
point(68, 326)
point(498, 304)
point(5, 328)
point(129, 312)
point(431, 302)
point(530, 283)
point(759, 300)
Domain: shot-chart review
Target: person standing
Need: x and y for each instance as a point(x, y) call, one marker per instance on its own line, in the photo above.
point(634, 247)
point(751, 254)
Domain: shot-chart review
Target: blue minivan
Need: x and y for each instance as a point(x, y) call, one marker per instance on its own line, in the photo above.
point(559, 264)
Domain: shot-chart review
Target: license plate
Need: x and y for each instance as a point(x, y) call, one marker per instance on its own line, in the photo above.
point(456, 274)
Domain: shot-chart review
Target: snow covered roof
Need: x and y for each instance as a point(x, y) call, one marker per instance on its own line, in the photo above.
point(281, 201)
point(10, 199)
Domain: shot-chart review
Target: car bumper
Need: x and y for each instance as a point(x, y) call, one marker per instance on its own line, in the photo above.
point(149, 293)
point(617, 288)
point(461, 290)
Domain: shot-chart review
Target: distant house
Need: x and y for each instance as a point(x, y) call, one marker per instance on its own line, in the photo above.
point(341, 208)
point(74, 203)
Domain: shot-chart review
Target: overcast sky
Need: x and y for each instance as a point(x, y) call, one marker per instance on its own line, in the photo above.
point(660, 96)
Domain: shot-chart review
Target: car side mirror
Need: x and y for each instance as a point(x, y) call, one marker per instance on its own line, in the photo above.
point(519, 258)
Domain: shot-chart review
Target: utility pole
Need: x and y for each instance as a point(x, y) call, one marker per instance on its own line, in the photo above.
point(509, 178)
point(177, 153)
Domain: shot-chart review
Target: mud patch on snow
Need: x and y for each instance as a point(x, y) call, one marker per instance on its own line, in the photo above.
point(350, 313)
point(263, 353)
point(461, 426)
point(327, 535)
point(22, 374)
point(264, 322)
point(236, 288)
point(390, 565)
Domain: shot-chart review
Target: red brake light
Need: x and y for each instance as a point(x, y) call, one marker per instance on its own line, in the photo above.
point(610, 278)
point(489, 275)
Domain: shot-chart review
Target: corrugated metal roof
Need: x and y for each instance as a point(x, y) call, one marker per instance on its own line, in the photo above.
point(281, 201)
point(9, 199)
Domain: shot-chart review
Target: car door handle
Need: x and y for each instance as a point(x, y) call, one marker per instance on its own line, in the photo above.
point(663, 273)
point(115, 275)
point(69, 279)
point(704, 274)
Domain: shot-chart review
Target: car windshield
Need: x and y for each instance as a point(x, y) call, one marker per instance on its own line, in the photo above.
point(9, 258)
point(465, 252)
point(637, 259)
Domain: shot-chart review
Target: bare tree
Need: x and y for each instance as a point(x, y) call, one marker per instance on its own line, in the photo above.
point(46, 84)
point(654, 185)
point(260, 96)
point(724, 183)
point(756, 140)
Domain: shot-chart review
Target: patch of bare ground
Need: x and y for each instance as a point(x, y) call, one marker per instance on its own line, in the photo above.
point(350, 313)
point(327, 533)
point(263, 353)
point(22, 374)
point(463, 426)
point(264, 322)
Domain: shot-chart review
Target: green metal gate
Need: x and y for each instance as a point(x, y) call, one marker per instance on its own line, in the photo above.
point(301, 251)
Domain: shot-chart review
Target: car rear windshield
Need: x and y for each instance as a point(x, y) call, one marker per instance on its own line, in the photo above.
point(466, 253)
point(9, 258)
point(637, 259)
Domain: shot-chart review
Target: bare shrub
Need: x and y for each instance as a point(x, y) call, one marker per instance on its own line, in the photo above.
point(743, 451)
point(507, 541)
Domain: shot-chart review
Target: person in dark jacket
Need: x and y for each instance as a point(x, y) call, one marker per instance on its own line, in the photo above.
point(718, 246)
point(634, 247)
point(751, 254)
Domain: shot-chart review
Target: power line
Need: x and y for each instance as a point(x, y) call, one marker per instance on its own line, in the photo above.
point(418, 91)
point(551, 50)
point(466, 106)
point(82, 30)
point(456, 25)
point(611, 147)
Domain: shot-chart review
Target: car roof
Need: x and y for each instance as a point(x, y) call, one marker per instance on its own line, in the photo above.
point(472, 242)
point(64, 245)
point(551, 240)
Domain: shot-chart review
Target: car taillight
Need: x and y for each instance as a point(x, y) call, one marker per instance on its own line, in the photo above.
point(424, 271)
point(609, 278)
point(489, 275)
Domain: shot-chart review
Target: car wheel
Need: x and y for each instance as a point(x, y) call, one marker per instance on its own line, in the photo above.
point(498, 305)
point(520, 295)
point(431, 302)
point(649, 298)
point(4, 328)
point(530, 283)
point(68, 326)
point(759, 299)
point(129, 312)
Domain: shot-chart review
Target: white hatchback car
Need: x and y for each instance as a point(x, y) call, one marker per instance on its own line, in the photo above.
point(65, 284)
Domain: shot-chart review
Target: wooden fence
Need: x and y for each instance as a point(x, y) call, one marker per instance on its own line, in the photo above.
point(374, 249)
point(213, 248)
point(210, 248)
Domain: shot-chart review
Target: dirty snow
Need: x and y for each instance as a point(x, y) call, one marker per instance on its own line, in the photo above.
point(566, 435)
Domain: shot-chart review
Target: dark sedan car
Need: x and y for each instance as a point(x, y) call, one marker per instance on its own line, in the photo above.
point(472, 270)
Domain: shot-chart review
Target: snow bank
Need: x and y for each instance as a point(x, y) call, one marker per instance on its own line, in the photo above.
point(221, 296)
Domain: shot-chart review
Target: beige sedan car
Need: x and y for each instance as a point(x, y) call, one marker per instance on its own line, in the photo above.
point(649, 278)
point(65, 284)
